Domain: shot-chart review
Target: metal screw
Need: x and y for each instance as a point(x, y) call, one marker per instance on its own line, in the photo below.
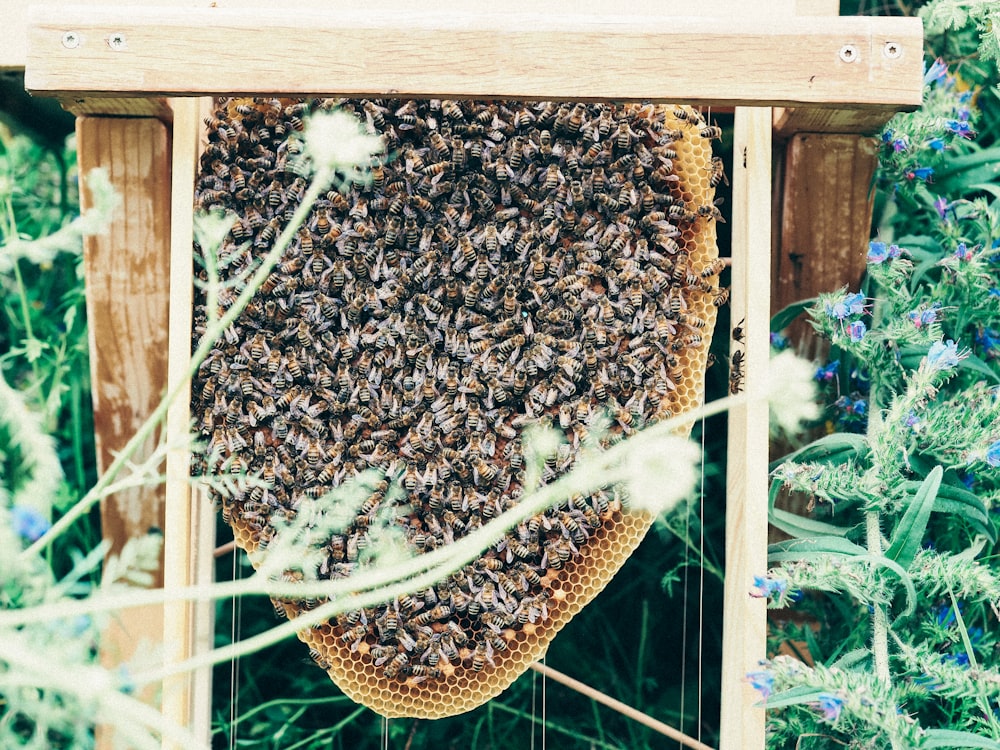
point(849, 53)
point(70, 40)
point(892, 50)
point(117, 42)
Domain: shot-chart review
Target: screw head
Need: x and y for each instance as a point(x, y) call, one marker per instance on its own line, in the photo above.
point(892, 50)
point(849, 53)
point(117, 42)
point(70, 40)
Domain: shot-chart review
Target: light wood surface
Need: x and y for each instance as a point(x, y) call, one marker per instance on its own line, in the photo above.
point(127, 316)
point(13, 31)
point(744, 618)
point(190, 535)
point(759, 60)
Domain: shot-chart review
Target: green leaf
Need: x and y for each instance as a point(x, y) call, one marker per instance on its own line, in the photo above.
point(838, 448)
point(941, 15)
point(967, 506)
point(974, 363)
point(952, 738)
point(801, 527)
point(790, 550)
point(793, 697)
point(784, 317)
point(910, 533)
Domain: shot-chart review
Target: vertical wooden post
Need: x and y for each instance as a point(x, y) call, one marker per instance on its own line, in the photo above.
point(743, 640)
point(127, 314)
point(189, 530)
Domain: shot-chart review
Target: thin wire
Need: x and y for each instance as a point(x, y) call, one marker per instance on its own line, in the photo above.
point(686, 590)
point(534, 680)
point(385, 733)
point(234, 663)
point(544, 723)
point(701, 581)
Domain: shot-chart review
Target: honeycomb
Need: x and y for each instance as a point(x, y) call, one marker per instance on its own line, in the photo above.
point(610, 205)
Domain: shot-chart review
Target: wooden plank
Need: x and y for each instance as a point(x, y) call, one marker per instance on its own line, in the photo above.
point(827, 212)
point(408, 52)
point(107, 106)
point(791, 120)
point(744, 618)
point(14, 30)
point(127, 314)
point(817, 7)
point(186, 540)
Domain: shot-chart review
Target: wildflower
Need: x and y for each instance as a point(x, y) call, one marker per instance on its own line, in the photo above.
point(778, 341)
point(964, 252)
point(887, 135)
point(936, 144)
point(828, 372)
point(831, 705)
point(850, 304)
point(764, 587)
point(337, 140)
point(856, 330)
point(960, 128)
point(762, 682)
point(937, 71)
point(944, 355)
point(959, 660)
point(29, 524)
point(878, 252)
point(912, 420)
point(901, 144)
point(941, 206)
point(920, 318)
point(920, 173)
point(994, 292)
point(993, 454)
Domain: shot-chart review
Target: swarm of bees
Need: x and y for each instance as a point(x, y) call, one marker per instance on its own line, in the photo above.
point(508, 263)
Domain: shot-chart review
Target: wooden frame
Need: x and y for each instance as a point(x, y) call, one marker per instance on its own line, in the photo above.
point(830, 74)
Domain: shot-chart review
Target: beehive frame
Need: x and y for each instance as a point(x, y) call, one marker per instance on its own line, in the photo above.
point(841, 75)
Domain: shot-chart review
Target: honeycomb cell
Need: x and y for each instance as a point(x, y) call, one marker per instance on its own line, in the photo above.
point(478, 196)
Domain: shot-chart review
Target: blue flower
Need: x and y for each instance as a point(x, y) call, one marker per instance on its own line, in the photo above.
point(944, 355)
point(877, 252)
point(900, 144)
point(993, 454)
point(764, 587)
point(936, 144)
point(762, 682)
point(920, 173)
point(856, 330)
point(994, 292)
point(912, 420)
point(959, 660)
point(828, 372)
point(887, 135)
point(831, 705)
point(937, 71)
point(964, 252)
point(850, 304)
point(29, 524)
point(960, 128)
point(920, 318)
point(778, 341)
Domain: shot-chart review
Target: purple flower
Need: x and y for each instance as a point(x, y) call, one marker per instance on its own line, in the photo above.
point(828, 372)
point(29, 523)
point(941, 205)
point(937, 71)
point(920, 318)
point(912, 420)
point(920, 173)
point(900, 144)
point(944, 355)
point(960, 128)
point(964, 252)
point(993, 454)
point(856, 330)
point(762, 682)
point(831, 705)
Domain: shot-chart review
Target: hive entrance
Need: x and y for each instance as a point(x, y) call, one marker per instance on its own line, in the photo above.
point(513, 263)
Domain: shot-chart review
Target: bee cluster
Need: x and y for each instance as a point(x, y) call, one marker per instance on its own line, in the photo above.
point(513, 263)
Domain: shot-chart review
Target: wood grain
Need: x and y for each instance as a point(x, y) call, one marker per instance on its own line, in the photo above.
point(359, 51)
point(127, 316)
point(744, 618)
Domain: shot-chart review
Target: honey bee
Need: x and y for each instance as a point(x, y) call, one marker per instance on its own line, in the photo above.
point(736, 375)
point(711, 132)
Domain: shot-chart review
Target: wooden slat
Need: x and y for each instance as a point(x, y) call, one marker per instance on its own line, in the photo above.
point(187, 540)
point(792, 120)
point(744, 618)
point(13, 31)
point(127, 314)
point(107, 106)
point(358, 51)
point(827, 212)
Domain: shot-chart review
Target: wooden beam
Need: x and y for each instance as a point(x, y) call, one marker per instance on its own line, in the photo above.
point(792, 120)
point(744, 618)
point(358, 51)
point(189, 531)
point(127, 315)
